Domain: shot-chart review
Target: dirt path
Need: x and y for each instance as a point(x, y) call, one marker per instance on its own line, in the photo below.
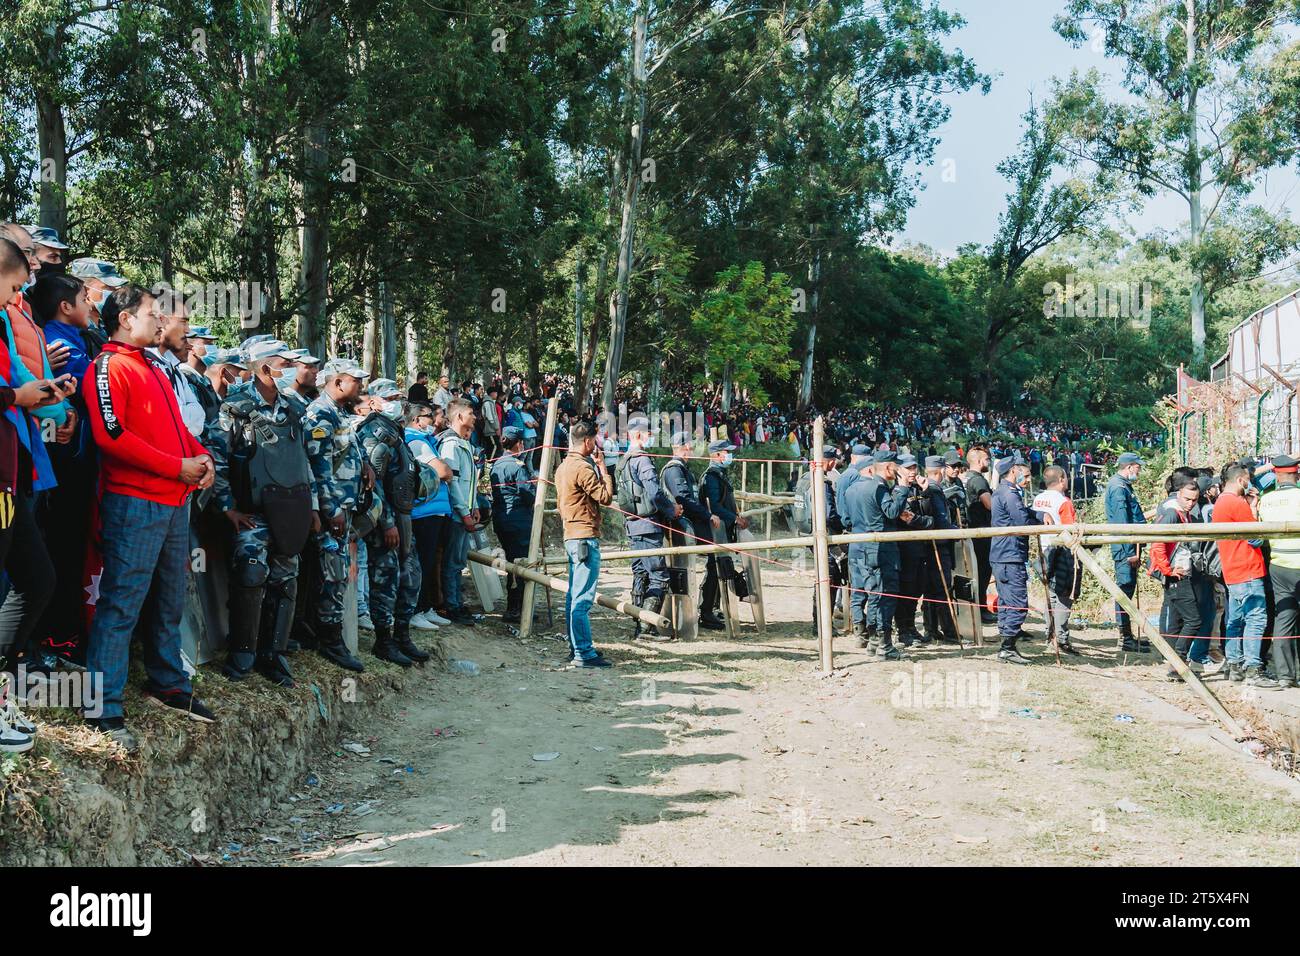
point(738, 753)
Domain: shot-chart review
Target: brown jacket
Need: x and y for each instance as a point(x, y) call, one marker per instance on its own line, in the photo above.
point(580, 491)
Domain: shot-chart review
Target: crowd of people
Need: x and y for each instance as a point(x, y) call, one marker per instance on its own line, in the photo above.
point(131, 440)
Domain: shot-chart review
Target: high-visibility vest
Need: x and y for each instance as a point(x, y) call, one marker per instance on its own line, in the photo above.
point(1283, 504)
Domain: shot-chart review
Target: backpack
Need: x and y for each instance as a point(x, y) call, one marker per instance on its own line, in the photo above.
point(801, 511)
point(630, 497)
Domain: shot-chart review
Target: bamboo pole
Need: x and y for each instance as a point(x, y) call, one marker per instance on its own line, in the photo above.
point(767, 489)
point(1097, 534)
point(539, 515)
point(821, 550)
point(765, 499)
point(1159, 642)
point(561, 584)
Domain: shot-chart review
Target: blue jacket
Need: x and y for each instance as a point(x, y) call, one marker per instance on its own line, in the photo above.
point(874, 506)
point(513, 495)
point(679, 484)
point(1010, 511)
point(842, 486)
point(1122, 507)
point(644, 476)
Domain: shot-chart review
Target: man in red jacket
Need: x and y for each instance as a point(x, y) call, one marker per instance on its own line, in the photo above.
point(1243, 574)
point(149, 464)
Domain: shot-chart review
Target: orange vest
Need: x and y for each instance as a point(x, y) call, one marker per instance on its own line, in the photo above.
point(29, 340)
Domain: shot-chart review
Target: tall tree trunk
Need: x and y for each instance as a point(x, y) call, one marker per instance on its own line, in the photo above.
point(51, 137)
point(412, 352)
point(390, 329)
point(370, 336)
point(810, 345)
point(1194, 184)
point(534, 356)
point(579, 291)
point(627, 232)
point(315, 241)
point(727, 372)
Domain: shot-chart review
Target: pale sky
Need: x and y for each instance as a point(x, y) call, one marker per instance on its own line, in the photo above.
point(1013, 41)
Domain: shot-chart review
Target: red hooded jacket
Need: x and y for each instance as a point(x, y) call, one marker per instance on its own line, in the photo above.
point(137, 426)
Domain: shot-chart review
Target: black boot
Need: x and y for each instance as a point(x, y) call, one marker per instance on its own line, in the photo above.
point(514, 601)
point(655, 605)
point(330, 645)
point(386, 650)
point(274, 642)
point(860, 633)
point(637, 601)
point(241, 639)
point(402, 638)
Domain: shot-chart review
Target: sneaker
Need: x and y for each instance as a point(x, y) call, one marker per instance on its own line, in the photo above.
point(890, 653)
point(1133, 646)
point(115, 729)
point(421, 622)
point(436, 618)
point(10, 712)
point(365, 623)
point(12, 740)
point(1255, 677)
point(1012, 657)
point(181, 703)
point(1065, 647)
point(591, 663)
point(1214, 668)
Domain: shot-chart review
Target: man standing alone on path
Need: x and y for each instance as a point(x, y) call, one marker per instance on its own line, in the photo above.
point(582, 487)
point(1122, 507)
point(1283, 504)
point(1009, 555)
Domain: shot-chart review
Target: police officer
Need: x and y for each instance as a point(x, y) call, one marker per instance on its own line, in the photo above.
point(679, 484)
point(1122, 507)
point(859, 457)
point(863, 629)
point(1009, 554)
point(649, 509)
point(264, 486)
point(720, 500)
point(513, 495)
point(394, 566)
point(936, 505)
point(913, 559)
point(337, 471)
point(879, 503)
point(954, 488)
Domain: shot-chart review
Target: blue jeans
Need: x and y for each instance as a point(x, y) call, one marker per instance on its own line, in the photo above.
point(581, 595)
point(145, 545)
point(1247, 616)
point(455, 558)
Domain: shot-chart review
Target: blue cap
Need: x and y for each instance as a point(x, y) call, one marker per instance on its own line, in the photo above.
point(1130, 458)
point(201, 332)
point(101, 269)
point(679, 439)
point(45, 236)
point(512, 434)
point(1004, 465)
point(859, 450)
point(830, 451)
point(721, 445)
point(933, 461)
point(906, 461)
point(884, 457)
point(638, 423)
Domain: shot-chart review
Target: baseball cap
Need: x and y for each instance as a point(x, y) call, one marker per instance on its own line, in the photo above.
point(340, 366)
point(638, 424)
point(201, 332)
point(933, 461)
point(384, 388)
point(45, 236)
point(906, 461)
point(303, 357)
point(101, 269)
point(884, 457)
point(721, 445)
point(1129, 458)
point(271, 348)
point(951, 457)
point(859, 450)
point(680, 438)
point(512, 434)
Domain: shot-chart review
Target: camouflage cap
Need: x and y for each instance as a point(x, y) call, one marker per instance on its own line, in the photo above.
point(384, 388)
point(100, 269)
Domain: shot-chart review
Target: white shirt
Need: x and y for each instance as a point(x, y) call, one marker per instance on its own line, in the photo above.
point(192, 413)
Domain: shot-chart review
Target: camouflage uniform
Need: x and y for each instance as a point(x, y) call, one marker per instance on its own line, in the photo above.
point(261, 578)
point(394, 579)
point(336, 464)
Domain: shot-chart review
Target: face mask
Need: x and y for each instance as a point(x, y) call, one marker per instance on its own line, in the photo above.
point(51, 269)
point(392, 410)
point(727, 459)
point(98, 300)
point(27, 285)
point(285, 376)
